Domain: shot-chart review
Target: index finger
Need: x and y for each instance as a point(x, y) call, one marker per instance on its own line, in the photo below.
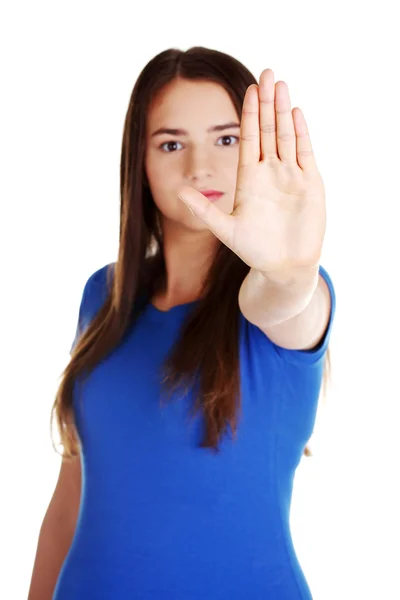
point(249, 148)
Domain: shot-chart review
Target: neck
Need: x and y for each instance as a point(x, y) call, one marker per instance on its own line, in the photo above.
point(188, 256)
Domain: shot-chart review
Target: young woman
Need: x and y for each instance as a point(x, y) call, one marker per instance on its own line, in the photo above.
point(199, 355)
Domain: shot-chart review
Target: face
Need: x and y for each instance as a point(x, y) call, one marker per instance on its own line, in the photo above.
point(194, 154)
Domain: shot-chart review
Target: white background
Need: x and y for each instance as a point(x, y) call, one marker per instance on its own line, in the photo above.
point(67, 74)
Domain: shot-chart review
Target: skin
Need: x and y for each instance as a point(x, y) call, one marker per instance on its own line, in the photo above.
point(201, 160)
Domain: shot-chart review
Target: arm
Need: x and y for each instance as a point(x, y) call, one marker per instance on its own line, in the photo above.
point(294, 314)
point(56, 532)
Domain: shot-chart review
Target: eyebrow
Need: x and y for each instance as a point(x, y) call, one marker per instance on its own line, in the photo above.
point(184, 132)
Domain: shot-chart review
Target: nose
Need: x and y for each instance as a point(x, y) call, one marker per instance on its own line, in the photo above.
point(198, 165)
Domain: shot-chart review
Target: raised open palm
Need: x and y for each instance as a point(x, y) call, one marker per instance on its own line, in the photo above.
point(278, 221)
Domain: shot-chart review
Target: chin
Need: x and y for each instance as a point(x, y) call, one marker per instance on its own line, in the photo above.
point(194, 224)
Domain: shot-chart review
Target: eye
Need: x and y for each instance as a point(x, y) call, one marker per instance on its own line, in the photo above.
point(168, 144)
point(226, 137)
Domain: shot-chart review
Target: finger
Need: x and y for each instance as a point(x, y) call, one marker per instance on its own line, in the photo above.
point(305, 153)
point(217, 221)
point(249, 147)
point(269, 149)
point(285, 132)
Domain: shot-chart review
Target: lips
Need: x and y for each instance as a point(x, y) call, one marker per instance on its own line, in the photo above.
point(212, 195)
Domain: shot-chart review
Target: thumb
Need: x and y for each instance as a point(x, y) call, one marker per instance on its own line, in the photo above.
point(217, 221)
point(194, 200)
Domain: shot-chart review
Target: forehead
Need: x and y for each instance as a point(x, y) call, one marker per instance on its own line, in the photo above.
point(186, 103)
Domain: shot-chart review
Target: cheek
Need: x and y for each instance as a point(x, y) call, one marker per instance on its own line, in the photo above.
point(152, 167)
point(228, 160)
point(163, 182)
point(228, 170)
point(161, 173)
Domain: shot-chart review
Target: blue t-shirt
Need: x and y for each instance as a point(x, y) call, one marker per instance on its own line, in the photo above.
point(161, 518)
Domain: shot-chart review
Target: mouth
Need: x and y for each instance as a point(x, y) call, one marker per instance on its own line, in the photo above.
point(212, 195)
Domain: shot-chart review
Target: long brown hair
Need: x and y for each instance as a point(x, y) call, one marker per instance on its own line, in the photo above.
point(140, 270)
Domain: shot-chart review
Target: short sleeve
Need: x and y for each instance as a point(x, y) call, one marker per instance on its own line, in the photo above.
point(316, 355)
point(93, 296)
point(80, 326)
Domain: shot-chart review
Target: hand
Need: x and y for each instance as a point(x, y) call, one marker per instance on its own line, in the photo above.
point(278, 221)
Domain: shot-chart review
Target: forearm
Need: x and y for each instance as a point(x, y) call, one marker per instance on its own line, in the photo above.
point(54, 542)
point(267, 302)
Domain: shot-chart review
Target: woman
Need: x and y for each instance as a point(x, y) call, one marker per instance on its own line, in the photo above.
point(199, 355)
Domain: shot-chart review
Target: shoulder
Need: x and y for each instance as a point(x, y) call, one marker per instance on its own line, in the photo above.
point(100, 276)
point(96, 290)
point(97, 284)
